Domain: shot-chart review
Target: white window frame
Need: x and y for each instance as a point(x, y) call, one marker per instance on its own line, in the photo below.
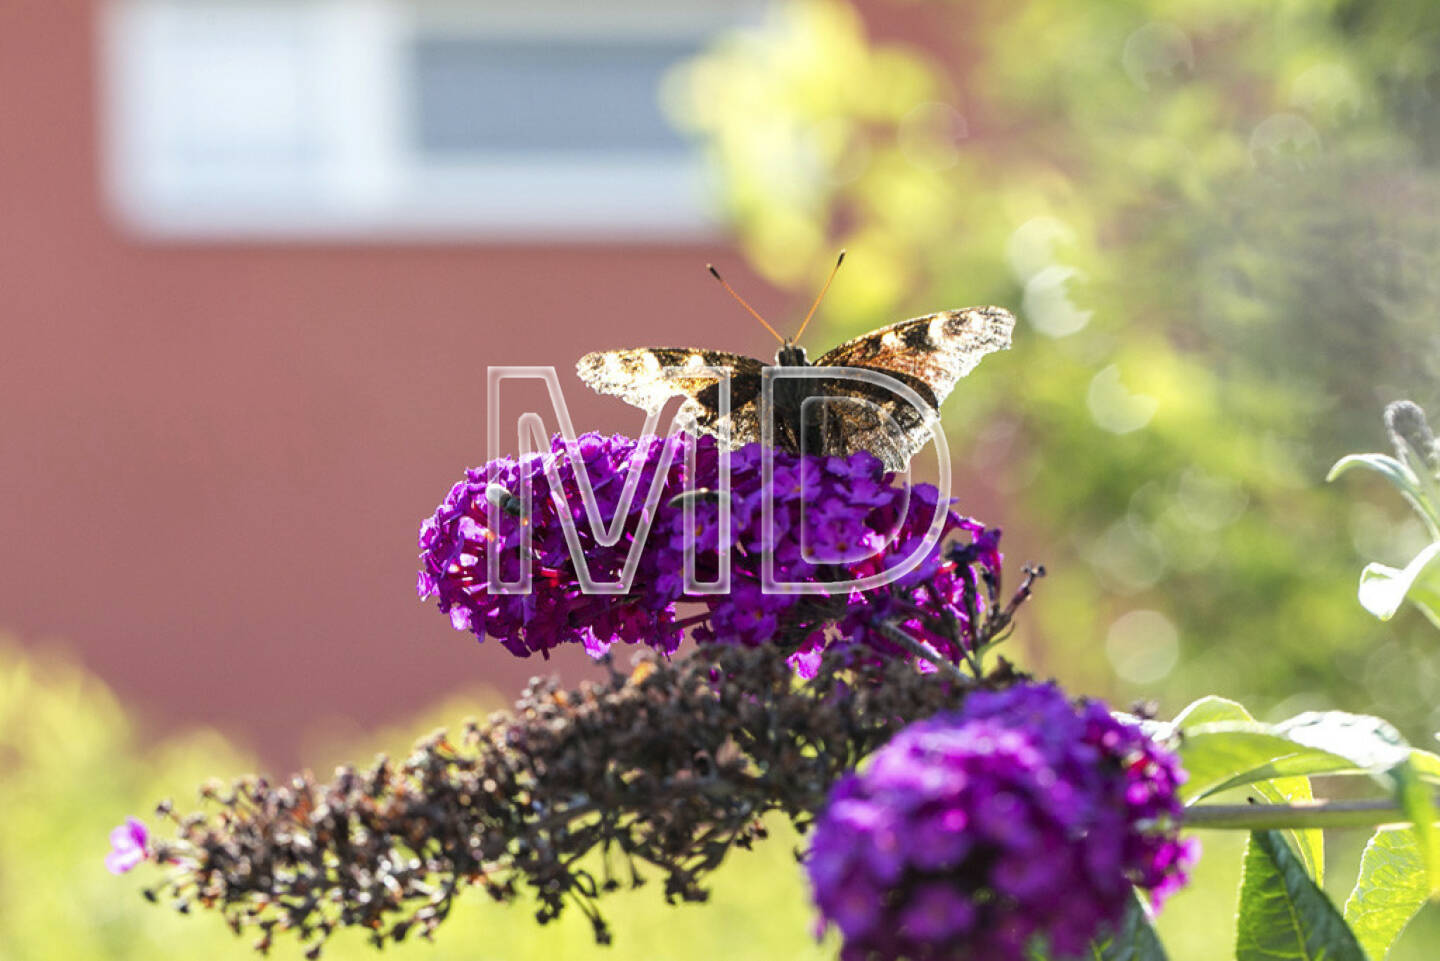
point(368, 181)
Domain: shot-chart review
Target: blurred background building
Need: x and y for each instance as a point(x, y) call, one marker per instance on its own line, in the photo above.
point(256, 259)
point(257, 256)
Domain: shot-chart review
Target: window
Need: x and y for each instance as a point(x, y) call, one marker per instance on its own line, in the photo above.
point(250, 119)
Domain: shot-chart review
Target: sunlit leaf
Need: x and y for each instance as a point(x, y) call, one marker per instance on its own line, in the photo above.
point(1226, 754)
point(1211, 709)
point(1283, 916)
point(1416, 798)
point(1383, 589)
point(1405, 480)
point(1233, 754)
point(1309, 844)
point(1389, 891)
point(1426, 764)
point(1382, 464)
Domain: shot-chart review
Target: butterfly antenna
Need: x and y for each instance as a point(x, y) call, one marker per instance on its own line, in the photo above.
point(816, 306)
point(753, 312)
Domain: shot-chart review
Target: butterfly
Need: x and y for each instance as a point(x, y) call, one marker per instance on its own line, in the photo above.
point(819, 414)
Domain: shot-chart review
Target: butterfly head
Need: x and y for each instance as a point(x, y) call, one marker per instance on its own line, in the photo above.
point(791, 354)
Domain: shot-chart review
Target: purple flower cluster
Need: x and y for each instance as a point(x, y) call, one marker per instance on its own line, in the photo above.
point(1021, 821)
point(834, 520)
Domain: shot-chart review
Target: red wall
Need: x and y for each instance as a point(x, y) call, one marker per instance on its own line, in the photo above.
point(214, 459)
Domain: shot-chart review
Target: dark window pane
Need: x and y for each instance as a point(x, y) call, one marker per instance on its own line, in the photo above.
point(520, 96)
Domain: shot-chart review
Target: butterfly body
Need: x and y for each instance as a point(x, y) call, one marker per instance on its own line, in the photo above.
point(793, 431)
point(837, 414)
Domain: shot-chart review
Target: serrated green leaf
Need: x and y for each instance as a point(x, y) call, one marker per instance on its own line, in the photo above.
point(1309, 844)
point(1383, 589)
point(1135, 941)
point(1283, 915)
point(1391, 888)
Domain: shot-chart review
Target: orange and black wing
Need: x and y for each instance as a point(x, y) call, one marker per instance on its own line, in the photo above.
point(929, 353)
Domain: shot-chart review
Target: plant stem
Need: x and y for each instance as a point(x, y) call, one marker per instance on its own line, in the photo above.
point(1315, 814)
point(900, 636)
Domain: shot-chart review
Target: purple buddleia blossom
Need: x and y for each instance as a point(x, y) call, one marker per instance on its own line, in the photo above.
point(1020, 822)
point(834, 520)
point(128, 846)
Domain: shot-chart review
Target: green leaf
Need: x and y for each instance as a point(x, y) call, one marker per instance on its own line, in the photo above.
point(1370, 743)
point(1426, 764)
point(1210, 709)
point(1231, 754)
point(1135, 941)
point(1283, 915)
point(1405, 480)
point(1383, 589)
point(1391, 888)
point(1428, 490)
point(1374, 745)
point(1227, 754)
point(1358, 744)
point(1382, 464)
point(1309, 844)
point(1418, 803)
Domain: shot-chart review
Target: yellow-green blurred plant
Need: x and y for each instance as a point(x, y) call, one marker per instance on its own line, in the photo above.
point(1216, 221)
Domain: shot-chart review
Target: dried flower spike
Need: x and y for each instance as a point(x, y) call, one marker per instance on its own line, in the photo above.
point(665, 769)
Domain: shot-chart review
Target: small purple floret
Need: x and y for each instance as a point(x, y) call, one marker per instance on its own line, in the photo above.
point(1019, 823)
point(127, 846)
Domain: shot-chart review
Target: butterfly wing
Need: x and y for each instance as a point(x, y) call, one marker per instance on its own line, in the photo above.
point(851, 417)
point(647, 377)
point(929, 354)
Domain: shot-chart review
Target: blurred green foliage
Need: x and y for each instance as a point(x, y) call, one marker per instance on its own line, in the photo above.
point(71, 768)
point(1218, 221)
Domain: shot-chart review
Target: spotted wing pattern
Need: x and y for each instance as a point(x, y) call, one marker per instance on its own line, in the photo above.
point(929, 353)
point(855, 416)
point(646, 377)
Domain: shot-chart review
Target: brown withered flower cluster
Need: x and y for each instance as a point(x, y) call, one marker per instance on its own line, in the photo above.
point(663, 769)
